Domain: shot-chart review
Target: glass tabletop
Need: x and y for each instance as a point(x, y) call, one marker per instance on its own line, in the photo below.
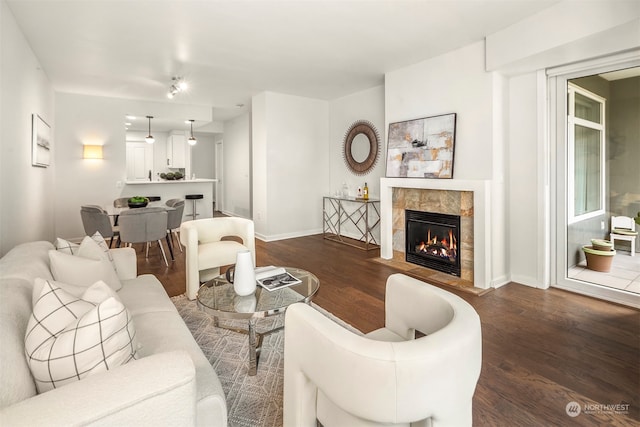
point(218, 298)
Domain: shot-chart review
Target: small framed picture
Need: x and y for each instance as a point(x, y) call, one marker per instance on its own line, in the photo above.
point(41, 142)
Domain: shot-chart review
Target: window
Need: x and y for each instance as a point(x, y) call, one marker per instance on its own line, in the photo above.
point(586, 156)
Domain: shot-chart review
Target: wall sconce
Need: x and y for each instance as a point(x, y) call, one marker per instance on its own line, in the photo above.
point(92, 152)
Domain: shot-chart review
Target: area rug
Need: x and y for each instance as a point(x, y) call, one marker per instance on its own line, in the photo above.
point(252, 401)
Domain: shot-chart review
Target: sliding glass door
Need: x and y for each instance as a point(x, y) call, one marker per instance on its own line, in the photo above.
point(593, 114)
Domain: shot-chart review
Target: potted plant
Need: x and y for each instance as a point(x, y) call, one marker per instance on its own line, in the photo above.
point(137, 202)
point(599, 255)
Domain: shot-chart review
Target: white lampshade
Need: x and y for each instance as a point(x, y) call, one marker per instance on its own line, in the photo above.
point(92, 152)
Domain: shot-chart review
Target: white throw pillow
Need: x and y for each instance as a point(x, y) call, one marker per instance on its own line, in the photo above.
point(75, 290)
point(66, 246)
point(69, 338)
point(90, 265)
point(102, 244)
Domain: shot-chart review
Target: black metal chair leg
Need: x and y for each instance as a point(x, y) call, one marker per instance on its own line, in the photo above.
point(170, 247)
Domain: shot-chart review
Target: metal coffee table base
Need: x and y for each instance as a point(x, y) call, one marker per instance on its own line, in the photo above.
point(255, 340)
point(218, 298)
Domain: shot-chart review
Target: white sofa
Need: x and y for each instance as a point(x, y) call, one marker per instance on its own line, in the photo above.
point(172, 383)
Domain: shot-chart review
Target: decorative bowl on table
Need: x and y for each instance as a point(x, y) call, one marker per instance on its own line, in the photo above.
point(171, 176)
point(137, 202)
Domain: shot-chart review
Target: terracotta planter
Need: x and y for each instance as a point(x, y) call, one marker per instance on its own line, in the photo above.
point(598, 260)
point(601, 245)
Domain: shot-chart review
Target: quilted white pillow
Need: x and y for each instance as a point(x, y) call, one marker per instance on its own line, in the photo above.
point(88, 266)
point(69, 338)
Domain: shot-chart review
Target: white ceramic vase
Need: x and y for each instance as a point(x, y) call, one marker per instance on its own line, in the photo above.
point(244, 277)
point(245, 304)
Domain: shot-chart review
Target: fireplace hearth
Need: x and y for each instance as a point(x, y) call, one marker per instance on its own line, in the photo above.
point(432, 240)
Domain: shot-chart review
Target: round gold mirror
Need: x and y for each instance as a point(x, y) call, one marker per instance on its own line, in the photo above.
point(361, 147)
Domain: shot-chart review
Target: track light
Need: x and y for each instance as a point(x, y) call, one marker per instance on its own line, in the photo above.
point(178, 85)
point(149, 138)
point(192, 140)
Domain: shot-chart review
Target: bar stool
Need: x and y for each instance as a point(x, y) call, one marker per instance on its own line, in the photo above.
point(194, 198)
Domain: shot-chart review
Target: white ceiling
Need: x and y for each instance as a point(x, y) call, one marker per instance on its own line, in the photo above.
point(231, 50)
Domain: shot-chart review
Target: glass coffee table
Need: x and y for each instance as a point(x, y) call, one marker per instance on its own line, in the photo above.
point(217, 298)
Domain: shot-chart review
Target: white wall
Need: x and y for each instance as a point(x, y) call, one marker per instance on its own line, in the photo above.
point(203, 155)
point(260, 184)
point(455, 82)
point(343, 112)
point(523, 182)
point(86, 119)
point(237, 167)
point(27, 209)
point(292, 134)
point(501, 121)
point(564, 34)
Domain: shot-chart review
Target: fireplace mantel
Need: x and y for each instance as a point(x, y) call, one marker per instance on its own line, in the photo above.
point(481, 218)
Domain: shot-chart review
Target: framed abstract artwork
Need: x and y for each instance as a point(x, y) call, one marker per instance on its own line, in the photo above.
point(40, 142)
point(422, 148)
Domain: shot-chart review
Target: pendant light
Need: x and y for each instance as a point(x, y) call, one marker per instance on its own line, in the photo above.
point(192, 140)
point(149, 138)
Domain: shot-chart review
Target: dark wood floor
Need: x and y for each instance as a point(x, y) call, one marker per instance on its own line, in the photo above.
point(541, 349)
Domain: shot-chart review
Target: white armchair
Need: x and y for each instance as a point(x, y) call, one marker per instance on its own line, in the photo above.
point(205, 250)
point(386, 377)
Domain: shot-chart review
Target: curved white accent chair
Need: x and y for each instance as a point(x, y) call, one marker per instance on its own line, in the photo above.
point(206, 251)
point(386, 377)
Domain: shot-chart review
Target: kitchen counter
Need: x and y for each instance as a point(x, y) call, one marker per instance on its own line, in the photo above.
point(177, 189)
point(174, 181)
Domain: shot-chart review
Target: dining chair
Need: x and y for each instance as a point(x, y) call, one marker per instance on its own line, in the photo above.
point(122, 202)
point(94, 218)
point(145, 225)
point(175, 219)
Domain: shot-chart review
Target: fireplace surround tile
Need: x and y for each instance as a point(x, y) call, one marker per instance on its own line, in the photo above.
point(475, 206)
point(450, 202)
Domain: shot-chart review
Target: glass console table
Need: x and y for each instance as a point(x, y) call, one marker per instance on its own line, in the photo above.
point(344, 217)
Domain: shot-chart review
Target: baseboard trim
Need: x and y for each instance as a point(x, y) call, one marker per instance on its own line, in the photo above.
point(276, 237)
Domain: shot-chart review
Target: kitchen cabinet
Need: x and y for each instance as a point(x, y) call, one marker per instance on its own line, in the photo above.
point(176, 146)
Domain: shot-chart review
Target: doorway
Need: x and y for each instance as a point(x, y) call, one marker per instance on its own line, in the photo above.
point(595, 110)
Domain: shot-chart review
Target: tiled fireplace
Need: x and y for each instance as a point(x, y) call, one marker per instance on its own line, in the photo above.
point(432, 240)
point(446, 202)
point(467, 200)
